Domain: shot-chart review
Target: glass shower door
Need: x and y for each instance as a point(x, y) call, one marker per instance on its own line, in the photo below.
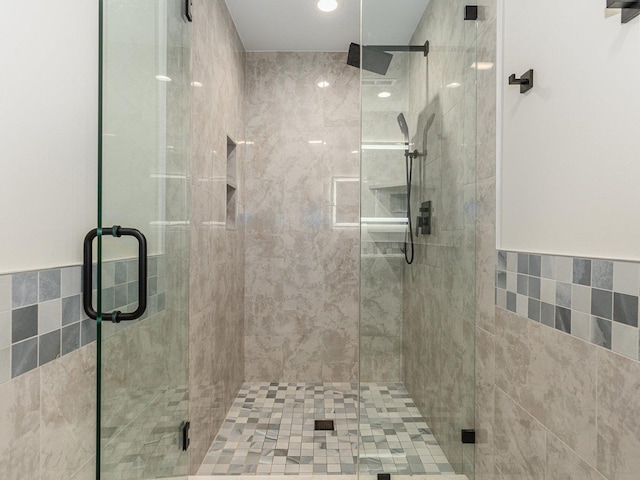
point(417, 320)
point(143, 188)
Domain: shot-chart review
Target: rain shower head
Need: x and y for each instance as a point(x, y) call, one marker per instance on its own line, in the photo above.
point(404, 129)
point(375, 61)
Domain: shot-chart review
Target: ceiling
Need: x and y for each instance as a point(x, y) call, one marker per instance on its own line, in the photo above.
point(298, 25)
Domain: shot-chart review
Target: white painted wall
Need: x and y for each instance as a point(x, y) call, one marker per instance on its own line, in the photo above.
point(48, 131)
point(570, 166)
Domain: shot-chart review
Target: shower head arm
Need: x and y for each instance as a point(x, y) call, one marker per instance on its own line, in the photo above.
point(401, 48)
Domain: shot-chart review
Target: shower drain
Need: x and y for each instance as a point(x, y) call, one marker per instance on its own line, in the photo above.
point(324, 425)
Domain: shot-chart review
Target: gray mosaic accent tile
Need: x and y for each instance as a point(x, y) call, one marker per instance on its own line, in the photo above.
point(582, 271)
point(563, 319)
point(70, 338)
point(120, 295)
point(132, 292)
point(132, 270)
point(595, 300)
point(24, 289)
point(5, 329)
point(563, 294)
point(602, 303)
point(49, 347)
point(548, 267)
point(88, 332)
point(49, 285)
point(501, 263)
point(626, 276)
point(624, 340)
point(24, 323)
point(548, 314)
point(511, 301)
point(49, 316)
point(71, 309)
point(5, 293)
point(601, 332)
point(152, 265)
point(564, 269)
point(523, 263)
point(625, 309)
point(602, 274)
point(523, 285)
point(41, 315)
point(534, 309)
point(70, 281)
point(121, 273)
point(535, 265)
point(5, 364)
point(24, 357)
point(534, 287)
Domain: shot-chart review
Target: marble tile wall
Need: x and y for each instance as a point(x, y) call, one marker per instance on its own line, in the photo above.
point(216, 289)
point(439, 287)
point(302, 214)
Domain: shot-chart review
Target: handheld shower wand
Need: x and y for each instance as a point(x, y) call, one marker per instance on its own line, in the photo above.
point(408, 159)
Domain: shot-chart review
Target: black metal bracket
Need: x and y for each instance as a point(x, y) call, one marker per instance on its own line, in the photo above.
point(424, 219)
point(87, 273)
point(525, 81)
point(468, 436)
point(186, 441)
point(630, 8)
point(384, 476)
point(471, 12)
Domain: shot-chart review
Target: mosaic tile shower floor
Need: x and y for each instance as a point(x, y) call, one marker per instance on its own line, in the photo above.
point(269, 430)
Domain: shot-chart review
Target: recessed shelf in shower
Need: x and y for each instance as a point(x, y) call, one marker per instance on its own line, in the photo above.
point(232, 185)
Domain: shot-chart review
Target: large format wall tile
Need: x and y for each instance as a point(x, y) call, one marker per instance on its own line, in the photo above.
point(216, 290)
point(20, 402)
point(301, 275)
point(519, 441)
point(68, 414)
point(618, 419)
point(550, 375)
point(563, 463)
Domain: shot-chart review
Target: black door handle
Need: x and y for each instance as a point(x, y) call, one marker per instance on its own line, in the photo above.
point(87, 281)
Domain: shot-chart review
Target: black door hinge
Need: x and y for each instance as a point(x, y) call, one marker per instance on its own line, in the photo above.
point(471, 12)
point(185, 435)
point(468, 436)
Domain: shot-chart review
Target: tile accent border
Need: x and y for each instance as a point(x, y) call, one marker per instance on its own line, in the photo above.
point(41, 314)
point(595, 300)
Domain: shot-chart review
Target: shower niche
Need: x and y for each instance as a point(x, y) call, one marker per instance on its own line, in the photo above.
point(232, 185)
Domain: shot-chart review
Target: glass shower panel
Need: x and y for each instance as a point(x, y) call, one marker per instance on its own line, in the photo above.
point(143, 183)
point(417, 321)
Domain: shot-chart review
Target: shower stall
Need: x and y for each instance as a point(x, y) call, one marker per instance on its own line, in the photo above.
point(286, 330)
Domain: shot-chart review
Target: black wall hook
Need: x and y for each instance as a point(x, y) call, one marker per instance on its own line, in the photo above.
point(630, 8)
point(525, 81)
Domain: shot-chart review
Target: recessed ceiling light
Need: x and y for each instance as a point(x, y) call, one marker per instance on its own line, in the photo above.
point(323, 84)
point(162, 78)
point(384, 94)
point(196, 84)
point(453, 85)
point(327, 5)
point(315, 142)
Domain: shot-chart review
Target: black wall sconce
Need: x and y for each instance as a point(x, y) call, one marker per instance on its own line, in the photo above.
point(525, 81)
point(630, 8)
